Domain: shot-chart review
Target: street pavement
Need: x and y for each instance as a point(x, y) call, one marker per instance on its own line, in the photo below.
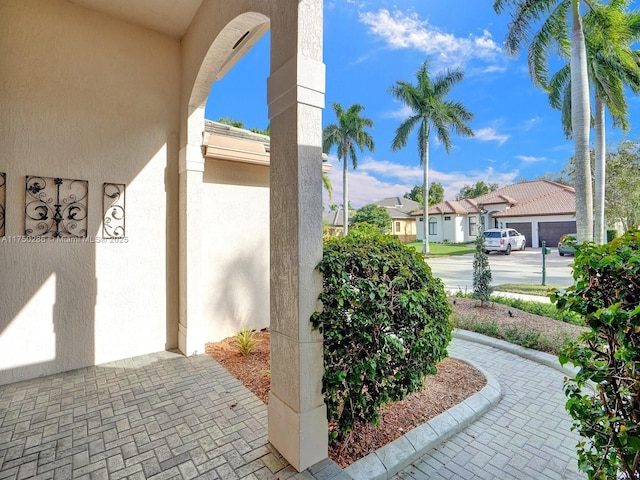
point(456, 272)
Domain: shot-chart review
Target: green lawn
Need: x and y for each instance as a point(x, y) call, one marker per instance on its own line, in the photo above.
point(444, 249)
point(527, 288)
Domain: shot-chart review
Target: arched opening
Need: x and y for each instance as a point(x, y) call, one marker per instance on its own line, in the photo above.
point(295, 96)
point(235, 197)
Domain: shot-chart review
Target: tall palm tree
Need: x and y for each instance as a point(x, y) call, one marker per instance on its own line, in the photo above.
point(555, 16)
point(609, 33)
point(430, 109)
point(347, 134)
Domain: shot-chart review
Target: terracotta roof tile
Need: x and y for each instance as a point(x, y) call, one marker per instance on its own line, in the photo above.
point(537, 197)
point(560, 202)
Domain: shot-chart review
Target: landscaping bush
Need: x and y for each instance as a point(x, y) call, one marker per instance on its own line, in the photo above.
point(481, 270)
point(607, 294)
point(385, 324)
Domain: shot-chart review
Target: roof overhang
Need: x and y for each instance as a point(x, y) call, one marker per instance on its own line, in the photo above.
point(169, 17)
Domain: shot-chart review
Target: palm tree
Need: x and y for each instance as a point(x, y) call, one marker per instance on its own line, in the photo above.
point(347, 134)
point(552, 33)
point(326, 182)
point(430, 109)
point(612, 64)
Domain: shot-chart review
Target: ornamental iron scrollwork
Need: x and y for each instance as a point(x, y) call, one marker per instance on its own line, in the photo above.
point(3, 200)
point(55, 207)
point(113, 205)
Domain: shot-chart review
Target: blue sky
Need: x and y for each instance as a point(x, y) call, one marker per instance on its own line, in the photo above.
point(369, 45)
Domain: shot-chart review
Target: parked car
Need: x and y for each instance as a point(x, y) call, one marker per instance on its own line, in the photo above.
point(566, 245)
point(503, 240)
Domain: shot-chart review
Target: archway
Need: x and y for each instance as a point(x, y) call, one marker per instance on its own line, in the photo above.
point(297, 414)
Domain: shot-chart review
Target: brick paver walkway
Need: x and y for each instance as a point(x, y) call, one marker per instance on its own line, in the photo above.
point(160, 416)
point(526, 436)
point(167, 416)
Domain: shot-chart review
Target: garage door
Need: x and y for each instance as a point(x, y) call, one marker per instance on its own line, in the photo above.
point(551, 232)
point(524, 228)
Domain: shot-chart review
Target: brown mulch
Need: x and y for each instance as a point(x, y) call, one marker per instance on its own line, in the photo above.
point(454, 382)
point(470, 310)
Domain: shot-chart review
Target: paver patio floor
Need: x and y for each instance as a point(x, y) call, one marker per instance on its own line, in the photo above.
point(157, 416)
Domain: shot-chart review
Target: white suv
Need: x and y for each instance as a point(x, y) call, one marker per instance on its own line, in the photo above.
point(503, 240)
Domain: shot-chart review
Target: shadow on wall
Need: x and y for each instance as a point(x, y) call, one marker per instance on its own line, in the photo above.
point(240, 295)
point(92, 112)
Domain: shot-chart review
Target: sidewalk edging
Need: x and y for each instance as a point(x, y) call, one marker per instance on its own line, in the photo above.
point(393, 457)
point(545, 359)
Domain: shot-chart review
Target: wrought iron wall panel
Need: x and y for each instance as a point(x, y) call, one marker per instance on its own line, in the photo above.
point(113, 198)
point(3, 200)
point(55, 207)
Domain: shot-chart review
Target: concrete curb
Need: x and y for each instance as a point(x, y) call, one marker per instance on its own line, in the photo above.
point(546, 359)
point(393, 457)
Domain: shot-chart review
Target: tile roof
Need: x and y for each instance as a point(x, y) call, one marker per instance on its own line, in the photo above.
point(560, 202)
point(537, 197)
point(334, 217)
point(398, 204)
point(521, 192)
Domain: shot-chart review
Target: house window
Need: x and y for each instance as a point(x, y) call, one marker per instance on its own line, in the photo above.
point(433, 226)
point(447, 218)
point(472, 225)
point(397, 227)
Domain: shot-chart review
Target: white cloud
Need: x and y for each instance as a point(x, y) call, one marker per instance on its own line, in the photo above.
point(530, 159)
point(407, 31)
point(489, 134)
point(402, 113)
point(529, 124)
point(377, 179)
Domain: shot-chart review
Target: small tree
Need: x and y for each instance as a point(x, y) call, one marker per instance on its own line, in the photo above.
point(481, 271)
point(607, 293)
point(374, 215)
point(385, 320)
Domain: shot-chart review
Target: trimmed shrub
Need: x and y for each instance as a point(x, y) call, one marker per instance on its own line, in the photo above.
point(385, 324)
point(481, 270)
point(607, 293)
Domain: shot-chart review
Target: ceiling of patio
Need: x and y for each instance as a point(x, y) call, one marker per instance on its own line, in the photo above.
point(170, 17)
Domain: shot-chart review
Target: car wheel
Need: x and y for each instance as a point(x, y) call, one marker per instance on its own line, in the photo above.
point(508, 250)
point(524, 245)
point(561, 254)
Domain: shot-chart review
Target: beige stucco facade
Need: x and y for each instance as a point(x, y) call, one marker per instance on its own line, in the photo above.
point(404, 229)
point(106, 91)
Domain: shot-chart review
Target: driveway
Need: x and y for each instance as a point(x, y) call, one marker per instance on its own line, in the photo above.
point(520, 267)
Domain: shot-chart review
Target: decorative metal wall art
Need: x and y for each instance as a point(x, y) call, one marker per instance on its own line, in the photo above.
point(3, 200)
point(55, 207)
point(113, 205)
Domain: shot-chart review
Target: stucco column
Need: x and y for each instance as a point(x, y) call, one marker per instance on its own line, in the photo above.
point(297, 413)
point(191, 168)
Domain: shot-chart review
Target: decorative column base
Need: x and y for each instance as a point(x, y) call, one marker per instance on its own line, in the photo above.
point(300, 437)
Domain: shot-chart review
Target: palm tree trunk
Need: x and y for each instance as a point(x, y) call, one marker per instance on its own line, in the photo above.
point(580, 126)
point(600, 176)
point(345, 197)
point(425, 196)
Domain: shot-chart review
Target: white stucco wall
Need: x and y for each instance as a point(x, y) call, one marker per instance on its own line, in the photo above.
point(85, 96)
point(235, 226)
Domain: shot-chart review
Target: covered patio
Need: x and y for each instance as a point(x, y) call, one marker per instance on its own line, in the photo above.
point(102, 123)
point(156, 416)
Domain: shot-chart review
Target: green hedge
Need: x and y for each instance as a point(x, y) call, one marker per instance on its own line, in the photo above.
point(385, 324)
point(607, 294)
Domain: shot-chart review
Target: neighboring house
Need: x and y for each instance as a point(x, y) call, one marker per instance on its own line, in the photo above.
point(403, 224)
point(103, 100)
point(332, 221)
point(451, 221)
point(539, 209)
